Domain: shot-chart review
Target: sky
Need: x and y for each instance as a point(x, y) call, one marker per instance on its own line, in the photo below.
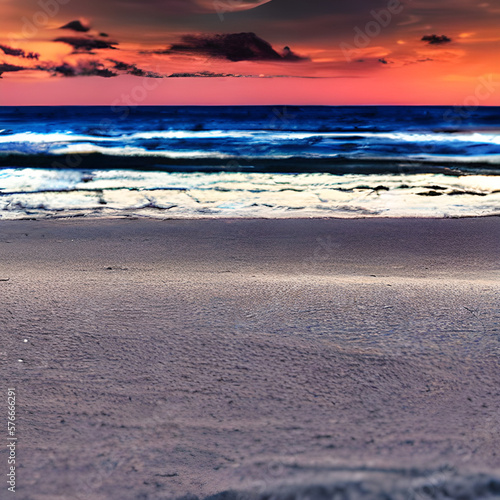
point(217, 52)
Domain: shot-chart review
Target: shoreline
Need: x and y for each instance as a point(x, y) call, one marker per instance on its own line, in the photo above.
point(255, 218)
point(189, 217)
point(28, 192)
point(173, 357)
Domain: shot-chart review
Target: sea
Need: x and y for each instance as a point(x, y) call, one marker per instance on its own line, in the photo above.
point(249, 161)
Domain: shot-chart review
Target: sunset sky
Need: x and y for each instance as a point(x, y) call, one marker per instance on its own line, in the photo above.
point(127, 52)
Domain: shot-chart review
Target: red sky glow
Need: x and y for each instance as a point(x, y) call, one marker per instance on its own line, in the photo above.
point(163, 52)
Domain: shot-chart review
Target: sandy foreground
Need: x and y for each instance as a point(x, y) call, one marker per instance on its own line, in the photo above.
point(166, 358)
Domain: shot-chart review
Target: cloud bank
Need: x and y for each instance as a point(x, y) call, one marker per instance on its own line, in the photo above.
point(86, 44)
point(18, 52)
point(77, 26)
point(233, 47)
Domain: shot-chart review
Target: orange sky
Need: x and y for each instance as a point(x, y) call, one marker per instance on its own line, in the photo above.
point(124, 52)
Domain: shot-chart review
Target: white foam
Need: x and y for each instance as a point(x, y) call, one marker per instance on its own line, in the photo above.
point(233, 194)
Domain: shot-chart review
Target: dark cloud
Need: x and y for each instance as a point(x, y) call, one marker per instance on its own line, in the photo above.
point(96, 68)
point(204, 74)
point(132, 69)
point(233, 47)
point(417, 61)
point(436, 39)
point(18, 52)
point(103, 34)
point(209, 74)
point(83, 68)
point(85, 44)
point(289, 55)
point(383, 61)
point(4, 68)
point(75, 26)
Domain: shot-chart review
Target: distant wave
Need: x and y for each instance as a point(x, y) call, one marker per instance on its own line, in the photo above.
point(261, 138)
point(261, 151)
point(200, 161)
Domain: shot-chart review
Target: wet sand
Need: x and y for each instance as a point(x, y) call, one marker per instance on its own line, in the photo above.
point(165, 358)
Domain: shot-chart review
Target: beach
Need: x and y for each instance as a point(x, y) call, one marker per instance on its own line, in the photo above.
point(154, 359)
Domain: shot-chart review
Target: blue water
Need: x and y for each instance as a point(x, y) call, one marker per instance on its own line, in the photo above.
point(407, 156)
point(219, 134)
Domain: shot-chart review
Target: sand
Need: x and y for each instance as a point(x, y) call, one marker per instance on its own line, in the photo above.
point(155, 359)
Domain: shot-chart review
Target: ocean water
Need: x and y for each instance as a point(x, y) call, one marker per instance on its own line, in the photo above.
point(282, 161)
